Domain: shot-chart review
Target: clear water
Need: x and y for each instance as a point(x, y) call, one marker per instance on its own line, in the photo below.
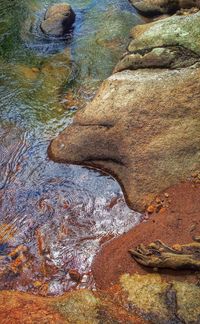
point(54, 217)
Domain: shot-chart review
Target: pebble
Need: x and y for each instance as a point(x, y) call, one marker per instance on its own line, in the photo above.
point(75, 275)
point(150, 209)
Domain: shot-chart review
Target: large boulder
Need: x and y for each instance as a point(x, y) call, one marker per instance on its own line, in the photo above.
point(58, 19)
point(143, 125)
point(156, 7)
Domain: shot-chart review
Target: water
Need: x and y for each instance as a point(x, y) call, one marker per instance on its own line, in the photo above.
point(54, 217)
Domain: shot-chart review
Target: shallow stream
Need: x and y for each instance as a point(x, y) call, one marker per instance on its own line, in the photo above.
point(54, 217)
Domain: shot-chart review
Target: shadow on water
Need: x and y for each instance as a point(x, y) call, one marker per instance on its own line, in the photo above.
point(53, 217)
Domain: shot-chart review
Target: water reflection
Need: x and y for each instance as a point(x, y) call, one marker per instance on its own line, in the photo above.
point(59, 214)
point(53, 217)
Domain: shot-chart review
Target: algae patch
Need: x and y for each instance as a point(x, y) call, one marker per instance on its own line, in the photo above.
point(81, 307)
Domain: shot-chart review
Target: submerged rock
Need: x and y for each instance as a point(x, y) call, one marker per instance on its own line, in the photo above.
point(156, 7)
point(45, 82)
point(58, 19)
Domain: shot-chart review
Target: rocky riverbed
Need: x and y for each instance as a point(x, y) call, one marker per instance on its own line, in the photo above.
point(142, 127)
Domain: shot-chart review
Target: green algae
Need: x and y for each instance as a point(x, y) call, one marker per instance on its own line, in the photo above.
point(12, 19)
point(97, 53)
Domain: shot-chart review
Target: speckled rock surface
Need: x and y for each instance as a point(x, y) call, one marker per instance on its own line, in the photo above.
point(160, 301)
point(167, 43)
point(177, 30)
point(143, 125)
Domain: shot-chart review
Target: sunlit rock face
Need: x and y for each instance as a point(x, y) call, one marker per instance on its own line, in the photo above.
point(142, 127)
point(58, 19)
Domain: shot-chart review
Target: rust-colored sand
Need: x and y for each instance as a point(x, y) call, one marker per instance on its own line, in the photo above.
point(176, 224)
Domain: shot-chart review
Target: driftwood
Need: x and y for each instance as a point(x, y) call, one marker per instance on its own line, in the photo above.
point(159, 255)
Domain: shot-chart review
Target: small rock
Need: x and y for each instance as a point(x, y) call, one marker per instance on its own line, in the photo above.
point(58, 19)
point(150, 209)
point(75, 275)
point(158, 201)
point(195, 175)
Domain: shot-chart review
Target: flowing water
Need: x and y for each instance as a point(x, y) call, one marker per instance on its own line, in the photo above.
point(54, 217)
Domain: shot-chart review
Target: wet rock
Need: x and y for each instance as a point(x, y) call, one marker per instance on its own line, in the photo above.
point(97, 52)
point(46, 81)
point(75, 275)
point(156, 7)
point(58, 20)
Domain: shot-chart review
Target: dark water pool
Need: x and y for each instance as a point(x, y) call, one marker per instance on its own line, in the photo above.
point(54, 217)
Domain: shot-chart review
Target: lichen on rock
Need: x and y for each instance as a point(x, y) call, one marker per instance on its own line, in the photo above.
point(160, 301)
